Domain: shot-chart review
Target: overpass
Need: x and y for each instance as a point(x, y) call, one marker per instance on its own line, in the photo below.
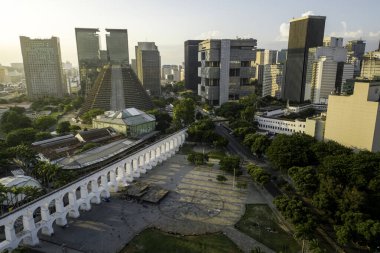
point(22, 225)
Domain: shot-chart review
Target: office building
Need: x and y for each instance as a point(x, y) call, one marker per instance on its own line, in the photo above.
point(327, 71)
point(226, 69)
point(354, 120)
point(281, 56)
point(191, 64)
point(272, 80)
point(333, 42)
point(88, 50)
point(117, 46)
point(371, 65)
point(170, 73)
point(270, 56)
point(304, 33)
point(148, 64)
point(356, 49)
point(43, 67)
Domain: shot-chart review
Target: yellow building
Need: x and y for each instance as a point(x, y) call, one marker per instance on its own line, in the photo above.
point(354, 120)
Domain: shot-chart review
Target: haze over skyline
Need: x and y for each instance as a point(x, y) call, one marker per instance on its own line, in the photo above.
point(169, 23)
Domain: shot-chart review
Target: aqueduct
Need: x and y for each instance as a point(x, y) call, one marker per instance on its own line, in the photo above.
point(22, 226)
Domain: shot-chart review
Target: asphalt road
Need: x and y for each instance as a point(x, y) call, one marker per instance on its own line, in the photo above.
point(234, 146)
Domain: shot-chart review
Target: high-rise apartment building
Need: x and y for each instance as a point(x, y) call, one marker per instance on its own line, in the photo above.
point(272, 80)
point(226, 69)
point(270, 56)
point(148, 63)
point(326, 71)
point(371, 65)
point(89, 57)
point(304, 33)
point(354, 120)
point(191, 64)
point(333, 42)
point(43, 67)
point(117, 46)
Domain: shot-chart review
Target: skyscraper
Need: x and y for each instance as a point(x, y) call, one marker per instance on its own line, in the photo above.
point(191, 64)
point(148, 63)
point(43, 67)
point(117, 46)
point(356, 49)
point(304, 33)
point(88, 49)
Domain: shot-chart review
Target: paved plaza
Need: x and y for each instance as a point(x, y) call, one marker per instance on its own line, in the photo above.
point(197, 203)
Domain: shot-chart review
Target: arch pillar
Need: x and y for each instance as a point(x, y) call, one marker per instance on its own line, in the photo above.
point(141, 161)
point(30, 226)
point(121, 178)
point(60, 210)
point(46, 217)
point(84, 197)
point(73, 205)
point(129, 171)
point(113, 182)
point(135, 168)
point(95, 192)
point(10, 232)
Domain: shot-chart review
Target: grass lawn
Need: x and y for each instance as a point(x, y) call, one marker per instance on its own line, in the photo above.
point(260, 223)
point(153, 240)
point(216, 154)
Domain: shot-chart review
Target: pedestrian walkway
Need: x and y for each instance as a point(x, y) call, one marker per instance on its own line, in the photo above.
point(243, 241)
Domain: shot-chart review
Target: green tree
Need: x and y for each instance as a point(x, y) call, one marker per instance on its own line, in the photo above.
point(43, 123)
point(12, 120)
point(74, 129)
point(88, 116)
point(63, 127)
point(230, 110)
point(305, 180)
point(24, 156)
point(43, 136)
point(221, 178)
point(230, 163)
point(260, 145)
point(258, 174)
point(163, 120)
point(183, 112)
point(46, 172)
point(287, 151)
point(21, 136)
point(197, 158)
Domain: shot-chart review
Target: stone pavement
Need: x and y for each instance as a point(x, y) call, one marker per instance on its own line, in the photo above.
point(197, 204)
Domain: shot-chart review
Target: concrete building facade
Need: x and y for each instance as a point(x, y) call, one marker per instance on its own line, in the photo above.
point(148, 65)
point(326, 71)
point(43, 67)
point(356, 49)
point(226, 69)
point(272, 80)
point(371, 65)
point(191, 64)
point(354, 120)
point(304, 33)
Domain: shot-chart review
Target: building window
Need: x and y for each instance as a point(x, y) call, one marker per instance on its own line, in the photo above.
point(234, 72)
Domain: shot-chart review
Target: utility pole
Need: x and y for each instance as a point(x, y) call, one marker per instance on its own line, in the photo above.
point(233, 180)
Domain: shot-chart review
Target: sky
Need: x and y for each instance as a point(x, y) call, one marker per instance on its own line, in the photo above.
point(171, 22)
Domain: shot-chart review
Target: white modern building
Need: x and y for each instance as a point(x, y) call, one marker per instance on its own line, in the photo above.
point(226, 69)
point(327, 71)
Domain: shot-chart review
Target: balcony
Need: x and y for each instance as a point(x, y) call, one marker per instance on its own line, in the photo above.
point(209, 72)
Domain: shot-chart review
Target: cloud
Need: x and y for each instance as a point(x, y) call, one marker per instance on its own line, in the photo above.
point(346, 33)
point(308, 13)
point(374, 34)
point(284, 32)
point(209, 35)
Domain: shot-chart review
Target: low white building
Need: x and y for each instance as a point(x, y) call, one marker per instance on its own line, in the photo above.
point(17, 181)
